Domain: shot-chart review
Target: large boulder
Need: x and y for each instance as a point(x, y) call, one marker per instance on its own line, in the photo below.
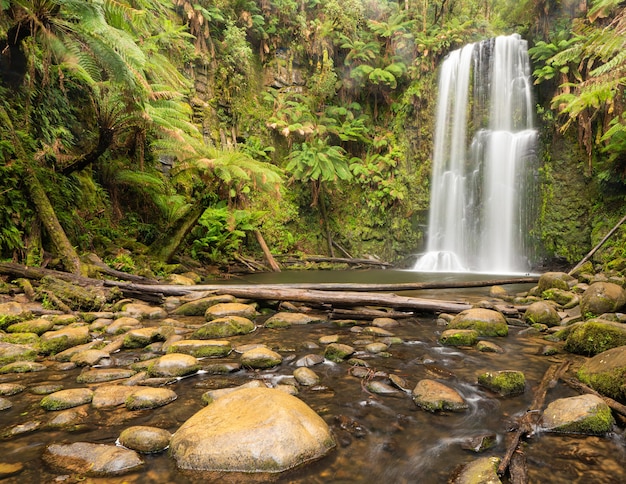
point(595, 336)
point(557, 280)
point(98, 460)
point(582, 414)
point(606, 373)
point(541, 312)
point(602, 297)
point(258, 430)
point(486, 321)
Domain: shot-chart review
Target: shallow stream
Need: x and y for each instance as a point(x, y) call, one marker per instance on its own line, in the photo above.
point(380, 438)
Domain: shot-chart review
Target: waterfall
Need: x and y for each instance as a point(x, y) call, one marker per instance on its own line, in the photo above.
point(483, 161)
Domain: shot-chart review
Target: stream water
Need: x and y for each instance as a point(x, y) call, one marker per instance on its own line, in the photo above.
point(380, 439)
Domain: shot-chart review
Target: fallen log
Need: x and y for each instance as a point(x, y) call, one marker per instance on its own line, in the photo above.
point(344, 298)
point(597, 247)
point(342, 260)
point(527, 422)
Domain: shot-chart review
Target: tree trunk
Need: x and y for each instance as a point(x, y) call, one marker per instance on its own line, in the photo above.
point(266, 251)
point(44, 208)
point(167, 244)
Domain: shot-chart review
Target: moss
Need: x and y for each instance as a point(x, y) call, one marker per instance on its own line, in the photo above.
point(337, 352)
point(7, 320)
point(599, 423)
point(459, 337)
point(224, 327)
point(594, 337)
point(505, 383)
point(20, 338)
point(609, 383)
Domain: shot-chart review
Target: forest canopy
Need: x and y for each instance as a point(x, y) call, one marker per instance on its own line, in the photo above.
point(151, 132)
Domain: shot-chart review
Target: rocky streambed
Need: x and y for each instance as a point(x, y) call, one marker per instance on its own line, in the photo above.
point(205, 387)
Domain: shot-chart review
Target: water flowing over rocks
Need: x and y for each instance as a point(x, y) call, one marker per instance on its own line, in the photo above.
point(251, 430)
point(139, 375)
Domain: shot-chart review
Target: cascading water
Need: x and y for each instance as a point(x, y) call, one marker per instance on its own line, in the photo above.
point(483, 155)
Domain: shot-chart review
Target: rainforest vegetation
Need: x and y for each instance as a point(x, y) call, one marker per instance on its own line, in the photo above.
point(160, 134)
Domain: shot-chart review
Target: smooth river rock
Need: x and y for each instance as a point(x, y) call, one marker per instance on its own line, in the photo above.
point(586, 414)
point(486, 321)
point(434, 396)
point(145, 439)
point(251, 430)
point(93, 460)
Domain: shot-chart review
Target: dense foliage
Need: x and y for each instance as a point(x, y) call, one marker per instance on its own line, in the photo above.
point(178, 128)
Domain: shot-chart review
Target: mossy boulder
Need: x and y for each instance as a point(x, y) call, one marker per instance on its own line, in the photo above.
point(435, 396)
point(70, 398)
point(480, 471)
point(199, 306)
point(338, 352)
point(222, 310)
point(459, 337)
point(602, 297)
point(53, 342)
point(595, 336)
point(15, 352)
point(261, 357)
point(224, 328)
point(505, 383)
point(37, 326)
point(251, 430)
point(142, 337)
point(556, 280)
point(145, 439)
point(173, 365)
point(606, 373)
point(148, 398)
point(541, 312)
point(30, 339)
point(563, 298)
point(85, 298)
point(13, 312)
point(286, 320)
point(22, 367)
point(486, 322)
point(201, 348)
point(582, 414)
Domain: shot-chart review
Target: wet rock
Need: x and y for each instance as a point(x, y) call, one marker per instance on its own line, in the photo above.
point(381, 388)
point(46, 388)
point(90, 357)
point(595, 336)
point(479, 443)
point(459, 337)
point(222, 310)
point(338, 352)
point(143, 311)
point(480, 471)
point(111, 395)
point(141, 337)
point(12, 312)
point(306, 376)
point(9, 469)
point(605, 373)
point(498, 292)
point(53, 342)
point(5, 403)
point(287, 319)
point(567, 299)
point(147, 398)
point(67, 399)
point(376, 347)
point(8, 389)
point(93, 460)
point(486, 321)
point(212, 395)
point(122, 325)
point(602, 297)
point(21, 429)
point(489, 347)
point(22, 367)
point(583, 414)
point(66, 355)
point(37, 326)
point(224, 327)
point(385, 323)
point(376, 331)
point(145, 439)
point(434, 396)
point(251, 430)
point(399, 383)
point(310, 360)
point(198, 307)
point(11, 352)
point(173, 365)
point(261, 358)
point(542, 312)
point(221, 368)
point(29, 339)
point(505, 383)
point(201, 348)
point(558, 280)
point(328, 339)
point(100, 375)
point(71, 419)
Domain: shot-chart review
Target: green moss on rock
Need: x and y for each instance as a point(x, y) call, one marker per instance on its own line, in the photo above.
point(459, 337)
point(595, 336)
point(505, 383)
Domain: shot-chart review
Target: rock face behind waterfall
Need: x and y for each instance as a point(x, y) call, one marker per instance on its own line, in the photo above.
point(251, 430)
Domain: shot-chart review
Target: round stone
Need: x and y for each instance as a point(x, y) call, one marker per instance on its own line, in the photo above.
point(145, 439)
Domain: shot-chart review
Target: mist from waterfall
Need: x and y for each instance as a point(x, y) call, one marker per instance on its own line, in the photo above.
point(483, 161)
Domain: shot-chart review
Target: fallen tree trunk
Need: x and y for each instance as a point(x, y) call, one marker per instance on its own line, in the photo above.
point(597, 247)
point(343, 298)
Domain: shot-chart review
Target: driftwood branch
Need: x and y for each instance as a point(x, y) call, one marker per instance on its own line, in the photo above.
point(597, 247)
point(529, 420)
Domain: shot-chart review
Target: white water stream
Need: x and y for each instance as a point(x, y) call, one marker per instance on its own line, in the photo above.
point(482, 161)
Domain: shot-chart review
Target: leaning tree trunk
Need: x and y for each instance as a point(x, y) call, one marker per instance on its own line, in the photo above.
point(45, 211)
point(167, 244)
